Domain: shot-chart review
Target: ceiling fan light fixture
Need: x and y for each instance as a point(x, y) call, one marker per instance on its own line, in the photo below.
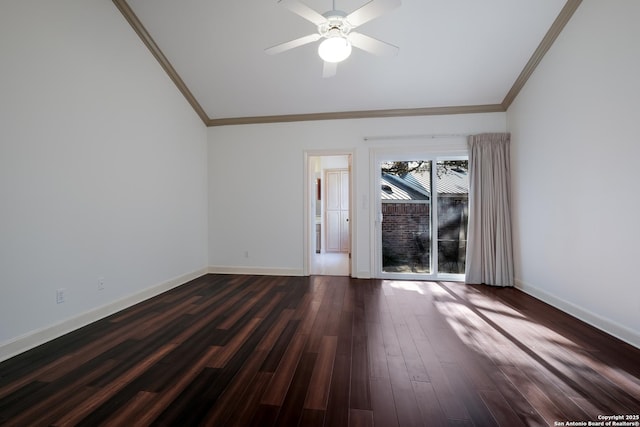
point(334, 49)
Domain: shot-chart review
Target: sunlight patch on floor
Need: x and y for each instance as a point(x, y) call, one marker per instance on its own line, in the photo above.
point(407, 286)
point(493, 329)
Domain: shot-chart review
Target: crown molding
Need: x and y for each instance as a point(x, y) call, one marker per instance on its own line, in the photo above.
point(146, 38)
point(554, 31)
point(556, 28)
point(364, 114)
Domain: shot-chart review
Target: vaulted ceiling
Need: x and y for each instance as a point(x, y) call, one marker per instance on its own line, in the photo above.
point(455, 56)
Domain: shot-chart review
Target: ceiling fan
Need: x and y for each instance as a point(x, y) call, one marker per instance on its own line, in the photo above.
point(336, 28)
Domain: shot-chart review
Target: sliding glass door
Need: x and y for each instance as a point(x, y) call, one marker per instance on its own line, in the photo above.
point(405, 208)
point(453, 211)
point(423, 209)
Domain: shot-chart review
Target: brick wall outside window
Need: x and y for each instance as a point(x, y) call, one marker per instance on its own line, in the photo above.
point(406, 235)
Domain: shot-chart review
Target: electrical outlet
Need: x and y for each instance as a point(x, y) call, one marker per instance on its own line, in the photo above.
point(246, 254)
point(101, 283)
point(61, 295)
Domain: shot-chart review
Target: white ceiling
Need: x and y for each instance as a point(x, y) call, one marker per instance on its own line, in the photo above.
point(452, 53)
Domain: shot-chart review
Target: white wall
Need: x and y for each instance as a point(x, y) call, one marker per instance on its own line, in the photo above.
point(256, 181)
point(103, 170)
point(575, 153)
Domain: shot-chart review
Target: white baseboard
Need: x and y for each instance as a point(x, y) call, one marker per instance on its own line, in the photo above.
point(33, 339)
point(607, 325)
point(258, 271)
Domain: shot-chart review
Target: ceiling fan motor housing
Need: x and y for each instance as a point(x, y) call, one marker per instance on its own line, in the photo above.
point(335, 26)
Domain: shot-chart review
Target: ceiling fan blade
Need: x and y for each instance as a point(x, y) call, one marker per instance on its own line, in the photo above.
point(292, 44)
point(371, 45)
point(370, 11)
point(329, 69)
point(304, 11)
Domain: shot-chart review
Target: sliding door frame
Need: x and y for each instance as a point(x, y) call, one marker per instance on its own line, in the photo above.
point(437, 149)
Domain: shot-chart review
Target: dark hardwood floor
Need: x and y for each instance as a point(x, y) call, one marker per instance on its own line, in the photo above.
point(334, 351)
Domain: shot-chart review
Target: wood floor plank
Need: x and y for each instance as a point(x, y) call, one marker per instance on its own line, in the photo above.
point(192, 403)
point(49, 371)
point(159, 403)
point(74, 416)
point(162, 318)
point(293, 404)
point(279, 345)
point(205, 321)
point(377, 354)
point(360, 391)
point(359, 314)
point(345, 333)
point(265, 416)
point(503, 412)
point(133, 412)
point(382, 403)
point(312, 418)
point(322, 320)
point(172, 297)
point(348, 303)
point(556, 388)
point(318, 392)
point(48, 417)
point(404, 397)
point(389, 336)
point(226, 353)
point(42, 401)
point(271, 303)
point(413, 362)
point(449, 402)
point(238, 312)
point(269, 339)
point(332, 326)
point(527, 399)
point(427, 400)
point(247, 403)
point(236, 392)
point(211, 301)
point(360, 418)
point(11, 405)
point(337, 413)
point(324, 351)
point(470, 397)
point(279, 386)
point(308, 316)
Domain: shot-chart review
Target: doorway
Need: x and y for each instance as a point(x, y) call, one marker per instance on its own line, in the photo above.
point(423, 215)
point(329, 218)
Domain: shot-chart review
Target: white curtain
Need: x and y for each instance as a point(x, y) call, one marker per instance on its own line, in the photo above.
point(489, 247)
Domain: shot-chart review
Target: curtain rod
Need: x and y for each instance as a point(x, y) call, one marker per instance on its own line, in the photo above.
point(423, 136)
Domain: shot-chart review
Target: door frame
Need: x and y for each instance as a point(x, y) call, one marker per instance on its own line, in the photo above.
point(309, 214)
point(437, 151)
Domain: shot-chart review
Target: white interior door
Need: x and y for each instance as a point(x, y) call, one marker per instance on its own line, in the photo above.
point(337, 210)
